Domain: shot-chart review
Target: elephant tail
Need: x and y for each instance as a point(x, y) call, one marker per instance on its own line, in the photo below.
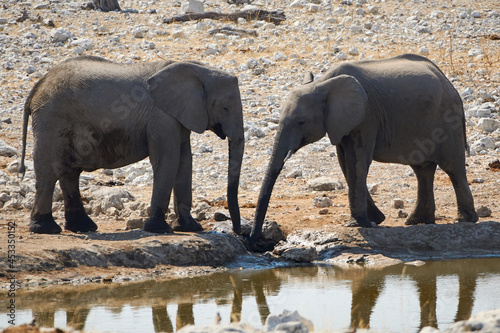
point(27, 112)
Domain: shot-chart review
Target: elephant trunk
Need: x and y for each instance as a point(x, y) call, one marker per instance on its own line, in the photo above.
point(236, 147)
point(280, 154)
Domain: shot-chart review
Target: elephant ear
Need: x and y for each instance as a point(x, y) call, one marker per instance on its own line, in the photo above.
point(179, 91)
point(346, 105)
point(308, 78)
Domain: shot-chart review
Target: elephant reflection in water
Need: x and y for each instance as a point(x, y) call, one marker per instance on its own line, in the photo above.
point(162, 322)
point(366, 291)
point(257, 283)
point(74, 318)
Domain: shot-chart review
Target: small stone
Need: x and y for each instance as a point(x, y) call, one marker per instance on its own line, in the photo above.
point(322, 202)
point(488, 124)
point(6, 150)
point(192, 6)
point(279, 56)
point(300, 254)
point(398, 203)
point(220, 216)
point(475, 14)
point(402, 214)
point(138, 32)
point(353, 51)
point(483, 211)
point(137, 223)
point(323, 211)
point(294, 174)
point(373, 188)
point(178, 33)
point(61, 35)
point(478, 180)
point(325, 184)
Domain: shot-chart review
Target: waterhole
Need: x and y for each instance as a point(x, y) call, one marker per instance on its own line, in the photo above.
point(400, 298)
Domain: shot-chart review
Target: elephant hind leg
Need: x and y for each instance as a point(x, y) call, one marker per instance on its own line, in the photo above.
point(465, 201)
point(42, 221)
point(77, 219)
point(425, 210)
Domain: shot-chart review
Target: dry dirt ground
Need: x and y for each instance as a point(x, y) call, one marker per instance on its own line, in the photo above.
point(291, 204)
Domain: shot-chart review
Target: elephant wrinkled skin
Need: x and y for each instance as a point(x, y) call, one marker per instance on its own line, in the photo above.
point(398, 110)
point(89, 113)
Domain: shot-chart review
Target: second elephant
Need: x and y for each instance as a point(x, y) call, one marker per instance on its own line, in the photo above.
point(398, 110)
point(89, 113)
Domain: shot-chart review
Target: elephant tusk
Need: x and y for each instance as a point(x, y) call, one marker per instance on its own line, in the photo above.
point(290, 152)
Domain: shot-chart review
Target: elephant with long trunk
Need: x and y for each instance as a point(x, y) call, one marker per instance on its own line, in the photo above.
point(398, 110)
point(89, 113)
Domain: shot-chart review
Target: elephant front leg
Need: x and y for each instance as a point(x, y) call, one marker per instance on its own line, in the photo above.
point(164, 170)
point(183, 192)
point(356, 169)
point(374, 214)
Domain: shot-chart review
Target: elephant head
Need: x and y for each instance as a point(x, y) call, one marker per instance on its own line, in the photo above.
point(203, 98)
point(335, 106)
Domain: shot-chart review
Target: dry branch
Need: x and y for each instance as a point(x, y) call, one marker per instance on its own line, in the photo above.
point(276, 16)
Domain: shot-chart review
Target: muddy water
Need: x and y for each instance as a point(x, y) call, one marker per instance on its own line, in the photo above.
point(399, 298)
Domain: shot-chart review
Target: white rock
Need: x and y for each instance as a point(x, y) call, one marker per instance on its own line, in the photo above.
point(353, 51)
point(324, 184)
point(252, 63)
point(322, 202)
point(30, 69)
point(475, 14)
point(313, 8)
point(474, 52)
point(488, 124)
point(192, 6)
point(6, 150)
point(285, 321)
point(375, 10)
point(138, 32)
point(61, 35)
point(341, 56)
point(280, 56)
point(85, 44)
point(178, 33)
point(423, 51)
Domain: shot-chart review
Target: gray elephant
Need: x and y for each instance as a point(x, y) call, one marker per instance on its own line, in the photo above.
point(398, 110)
point(89, 113)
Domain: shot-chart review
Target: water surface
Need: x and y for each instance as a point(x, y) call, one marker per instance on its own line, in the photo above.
point(400, 298)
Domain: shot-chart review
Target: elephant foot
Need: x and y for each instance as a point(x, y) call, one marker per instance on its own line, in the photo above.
point(186, 225)
point(467, 216)
point(363, 222)
point(375, 215)
point(414, 219)
point(44, 224)
point(157, 225)
point(79, 221)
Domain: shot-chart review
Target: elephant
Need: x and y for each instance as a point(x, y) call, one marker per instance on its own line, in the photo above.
point(90, 113)
point(396, 110)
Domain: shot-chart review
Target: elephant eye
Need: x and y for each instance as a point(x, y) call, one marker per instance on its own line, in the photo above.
point(302, 121)
point(225, 109)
